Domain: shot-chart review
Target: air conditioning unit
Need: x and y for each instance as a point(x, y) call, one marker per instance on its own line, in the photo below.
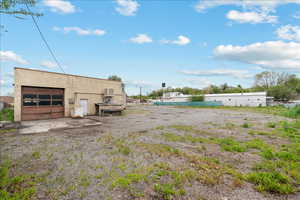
point(108, 92)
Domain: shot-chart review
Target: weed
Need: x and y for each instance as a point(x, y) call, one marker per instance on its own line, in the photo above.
point(268, 154)
point(178, 138)
point(16, 187)
point(84, 180)
point(184, 128)
point(271, 125)
point(274, 182)
point(229, 126)
point(160, 127)
point(36, 155)
point(257, 144)
point(229, 144)
point(125, 181)
point(245, 125)
point(166, 191)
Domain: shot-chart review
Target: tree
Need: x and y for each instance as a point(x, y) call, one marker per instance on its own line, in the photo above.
point(268, 79)
point(115, 78)
point(18, 7)
point(282, 93)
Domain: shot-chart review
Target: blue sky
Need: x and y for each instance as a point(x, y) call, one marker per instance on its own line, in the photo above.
point(182, 43)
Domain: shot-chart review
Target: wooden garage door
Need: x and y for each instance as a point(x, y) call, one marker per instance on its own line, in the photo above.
point(42, 103)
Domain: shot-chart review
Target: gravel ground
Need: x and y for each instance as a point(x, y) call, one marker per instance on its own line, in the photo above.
point(135, 155)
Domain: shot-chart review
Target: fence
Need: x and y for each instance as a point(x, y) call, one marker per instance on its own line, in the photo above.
point(195, 103)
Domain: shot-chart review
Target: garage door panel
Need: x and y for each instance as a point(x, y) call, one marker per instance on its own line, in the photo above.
point(42, 103)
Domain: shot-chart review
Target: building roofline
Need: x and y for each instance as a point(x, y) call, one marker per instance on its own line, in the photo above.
point(238, 94)
point(37, 70)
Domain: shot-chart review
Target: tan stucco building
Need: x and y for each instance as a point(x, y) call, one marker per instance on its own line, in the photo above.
point(45, 95)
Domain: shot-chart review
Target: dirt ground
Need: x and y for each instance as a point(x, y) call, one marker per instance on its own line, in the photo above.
point(150, 152)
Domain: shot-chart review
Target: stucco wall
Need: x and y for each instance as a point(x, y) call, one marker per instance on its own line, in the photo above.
point(76, 88)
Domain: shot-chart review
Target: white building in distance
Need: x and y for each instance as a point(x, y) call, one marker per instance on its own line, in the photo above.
point(253, 99)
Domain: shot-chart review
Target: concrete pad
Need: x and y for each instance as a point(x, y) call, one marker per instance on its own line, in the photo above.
point(40, 126)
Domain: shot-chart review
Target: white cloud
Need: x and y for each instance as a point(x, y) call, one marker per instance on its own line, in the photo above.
point(12, 56)
point(268, 55)
point(127, 7)
point(48, 64)
point(289, 32)
point(198, 82)
point(80, 31)
point(263, 5)
point(219, 72)
point(60, 6)
point(251, 17)
point(141, 38)
point(181, 40)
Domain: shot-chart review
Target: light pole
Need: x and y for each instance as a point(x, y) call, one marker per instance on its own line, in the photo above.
point(163, 85)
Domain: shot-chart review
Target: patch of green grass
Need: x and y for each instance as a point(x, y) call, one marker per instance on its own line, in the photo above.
point(166, 191)
point(229, 144)
point(184, 128)
point(160, 127)
point(256, 144)
point(271, 125)
point(36, 155)
point(159, 149)
point(84, 180)
point(292, 112)
point(273, 182)
point(272, 110)
point(14, 187)
point(124, 182)
point(8, 130)
point(185, 138)
point(229, 126)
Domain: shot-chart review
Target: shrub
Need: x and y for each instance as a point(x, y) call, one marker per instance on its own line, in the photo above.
point(293, 112)
point(7, 114)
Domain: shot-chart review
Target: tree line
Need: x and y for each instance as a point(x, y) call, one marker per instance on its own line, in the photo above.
point(280, 85)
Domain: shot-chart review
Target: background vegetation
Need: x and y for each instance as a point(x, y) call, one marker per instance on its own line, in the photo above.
point(282, 86)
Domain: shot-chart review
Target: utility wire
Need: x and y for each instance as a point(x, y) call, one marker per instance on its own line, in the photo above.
point(44, 39)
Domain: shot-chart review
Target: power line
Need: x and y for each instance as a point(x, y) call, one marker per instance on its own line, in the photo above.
point(44, 39)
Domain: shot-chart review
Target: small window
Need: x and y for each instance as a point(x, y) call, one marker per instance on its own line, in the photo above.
point(57, 96)
point(44, 96)
point(57, 103)
point(29, 96)
point(29, 103)
point(44, 103)
point(30, 100)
